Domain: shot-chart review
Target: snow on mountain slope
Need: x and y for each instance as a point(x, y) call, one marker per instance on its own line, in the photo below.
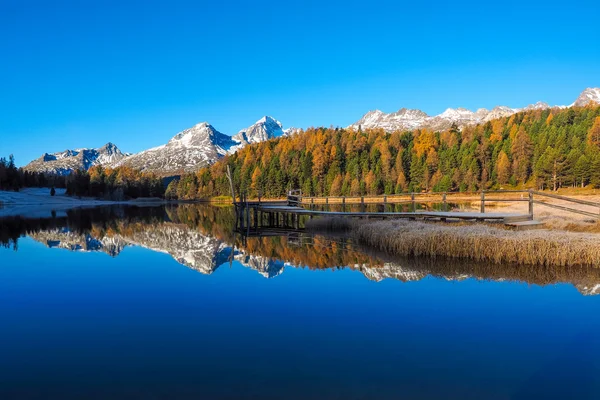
point(193, 148)
point(415, 119)
point(264, 129)
point(587, 96)
point(404, 118)
point(64, 163)
point(187, 151)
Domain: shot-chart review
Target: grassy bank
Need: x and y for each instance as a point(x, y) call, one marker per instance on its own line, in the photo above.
point(479, 242)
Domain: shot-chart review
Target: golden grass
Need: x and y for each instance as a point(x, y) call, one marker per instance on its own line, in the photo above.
point(479, 242)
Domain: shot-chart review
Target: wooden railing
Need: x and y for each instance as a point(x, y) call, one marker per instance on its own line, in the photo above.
point(295, 198)
point(595, 205)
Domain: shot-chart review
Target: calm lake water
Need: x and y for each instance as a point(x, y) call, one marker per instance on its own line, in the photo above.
point(163, 303)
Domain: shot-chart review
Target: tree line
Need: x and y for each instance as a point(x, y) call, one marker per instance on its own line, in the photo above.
point(111, 184)
point(13, 178)
point(116, 184)
point(542, 149)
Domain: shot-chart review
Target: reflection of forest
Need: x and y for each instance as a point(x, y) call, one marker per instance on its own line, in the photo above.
point(201, 237)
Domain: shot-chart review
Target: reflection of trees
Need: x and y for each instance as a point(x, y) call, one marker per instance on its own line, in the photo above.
point(199, 236)
point(208, 219)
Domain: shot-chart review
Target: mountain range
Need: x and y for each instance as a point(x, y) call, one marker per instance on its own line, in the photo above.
point(202, 144)
point(65, 162)
point(187, 151)
point(407, 119)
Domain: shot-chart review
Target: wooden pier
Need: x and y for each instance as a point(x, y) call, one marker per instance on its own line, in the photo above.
point(286, 214)
point(254, 215)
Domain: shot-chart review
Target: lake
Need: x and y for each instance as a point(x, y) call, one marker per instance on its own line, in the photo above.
point(163, 303)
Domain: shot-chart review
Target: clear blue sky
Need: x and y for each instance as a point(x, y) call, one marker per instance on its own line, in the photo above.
point(82, 73)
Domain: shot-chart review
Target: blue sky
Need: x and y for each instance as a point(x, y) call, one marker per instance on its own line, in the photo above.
point(81, 73)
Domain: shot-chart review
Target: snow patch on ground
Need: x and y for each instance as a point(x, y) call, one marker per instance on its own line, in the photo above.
point(37, 203)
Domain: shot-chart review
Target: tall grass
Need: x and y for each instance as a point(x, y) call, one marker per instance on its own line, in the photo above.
point(479, 242)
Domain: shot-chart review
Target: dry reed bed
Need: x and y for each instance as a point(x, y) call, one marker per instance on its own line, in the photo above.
point(479, 242)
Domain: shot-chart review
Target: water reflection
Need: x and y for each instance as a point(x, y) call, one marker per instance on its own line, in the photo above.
point(201, 238)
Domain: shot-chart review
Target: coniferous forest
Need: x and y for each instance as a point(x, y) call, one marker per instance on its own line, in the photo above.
point(114, 184)
point(13, 178)
point(542, 149)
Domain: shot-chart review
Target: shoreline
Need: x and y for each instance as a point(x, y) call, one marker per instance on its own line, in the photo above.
point(37, 203)
point(476, 242)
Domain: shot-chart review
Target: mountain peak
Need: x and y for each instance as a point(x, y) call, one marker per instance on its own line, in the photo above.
point(264, 129)
point(587, 96)
point(65, 162)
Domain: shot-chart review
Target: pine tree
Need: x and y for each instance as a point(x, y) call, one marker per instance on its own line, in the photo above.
point(522, 150)
point(503, 168)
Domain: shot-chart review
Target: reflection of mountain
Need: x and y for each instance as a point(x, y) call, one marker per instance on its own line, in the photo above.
point(200, 238)
point(187, 246)
point(388, 270)
point(451, 270)
point(65, 239)
point(265, 266)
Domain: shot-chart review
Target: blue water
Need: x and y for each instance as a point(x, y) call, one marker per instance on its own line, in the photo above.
point(142, 325)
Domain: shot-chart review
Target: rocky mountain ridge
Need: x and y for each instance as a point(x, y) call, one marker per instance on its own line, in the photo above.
point(409, 119)
point(187, 151)
point(65, 162)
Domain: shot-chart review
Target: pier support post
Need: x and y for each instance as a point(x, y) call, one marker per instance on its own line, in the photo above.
point(414, 205)
point(483, 201)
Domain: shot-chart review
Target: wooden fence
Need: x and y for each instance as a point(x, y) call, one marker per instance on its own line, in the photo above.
point(532, 197)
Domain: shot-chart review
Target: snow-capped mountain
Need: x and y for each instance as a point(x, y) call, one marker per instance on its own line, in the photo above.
point(200, 146)
point(587, 96)
point(187, 151)
point(264, 129)
point(405, 119)
point(64, 163)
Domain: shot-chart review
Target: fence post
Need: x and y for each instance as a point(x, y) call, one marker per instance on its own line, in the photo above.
point(362, 204)
point(384, 203)
point(483, 201)
point(412, 198)
point(531, 202)
point(444, 204)
point(343, 203)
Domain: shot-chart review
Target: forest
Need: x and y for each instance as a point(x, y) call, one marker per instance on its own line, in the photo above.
point(114, 184)
point(13, 178)
point(543, 149)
